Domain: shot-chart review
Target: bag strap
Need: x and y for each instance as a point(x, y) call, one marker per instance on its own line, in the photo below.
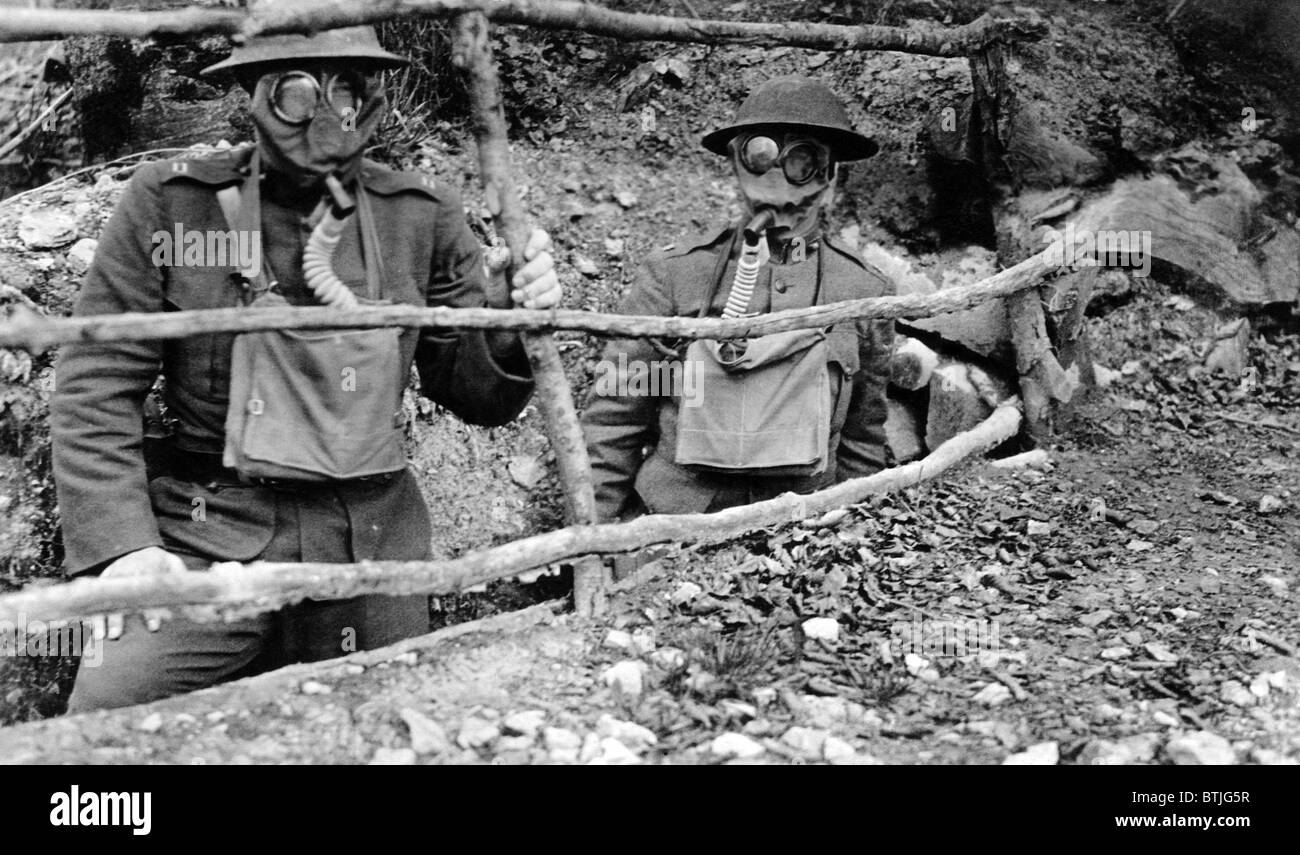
point(242, 209)
point(371, 258)
point(719, 270)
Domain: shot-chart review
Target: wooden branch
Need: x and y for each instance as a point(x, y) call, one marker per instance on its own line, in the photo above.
point(27, 330)
point(472, 54)
point(268, 19)
point(30, 129)
point(232, 589)
point(1044, 384)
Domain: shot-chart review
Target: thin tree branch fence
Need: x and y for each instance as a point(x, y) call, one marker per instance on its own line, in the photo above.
point(233, 589)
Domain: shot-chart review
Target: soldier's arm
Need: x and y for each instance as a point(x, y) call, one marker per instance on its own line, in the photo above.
point(96, 412)
point(619, 426)
point(481, 376)
point(862, 440)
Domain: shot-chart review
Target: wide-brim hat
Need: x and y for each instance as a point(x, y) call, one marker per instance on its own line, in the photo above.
point(358, 44)
point(797, 101)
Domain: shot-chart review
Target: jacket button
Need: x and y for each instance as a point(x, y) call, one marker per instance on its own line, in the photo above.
point(779, 284)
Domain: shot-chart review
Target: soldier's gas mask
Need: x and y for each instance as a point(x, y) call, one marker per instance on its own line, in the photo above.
point(789, 172)
point(314, 121)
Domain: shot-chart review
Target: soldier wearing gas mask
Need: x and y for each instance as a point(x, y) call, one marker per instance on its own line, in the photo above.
point(735, 422)
point(286, 446)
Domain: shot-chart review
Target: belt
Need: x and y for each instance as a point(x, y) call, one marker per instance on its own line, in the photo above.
point(200, 467)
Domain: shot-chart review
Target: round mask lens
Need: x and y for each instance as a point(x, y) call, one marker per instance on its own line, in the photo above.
point(759, 154)
point(345, 96)
point(294, 97)
point(802, 162)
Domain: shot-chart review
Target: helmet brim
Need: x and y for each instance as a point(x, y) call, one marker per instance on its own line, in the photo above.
point(251, 59)
point(845, 145)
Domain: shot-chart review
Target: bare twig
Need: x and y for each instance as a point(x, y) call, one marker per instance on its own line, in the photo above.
point(36, 123)
point(267, 19)
point(1276, 643)
point(472, 53)
point(36, 334)
point(239, 589)
point(1257, 423)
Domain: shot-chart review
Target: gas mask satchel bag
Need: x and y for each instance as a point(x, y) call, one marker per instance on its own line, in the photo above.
point(316, 405)
point(766, 412)
point(764, 405)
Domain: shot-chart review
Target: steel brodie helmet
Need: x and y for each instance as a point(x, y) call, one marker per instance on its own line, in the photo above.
point(802, 102)
point(358, 44)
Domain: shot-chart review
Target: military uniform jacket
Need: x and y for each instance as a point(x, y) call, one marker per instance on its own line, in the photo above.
point(429, 257)
point(631, 437)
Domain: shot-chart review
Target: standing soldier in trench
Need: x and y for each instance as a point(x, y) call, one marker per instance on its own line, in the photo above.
point(736, 422)
point(286, 446)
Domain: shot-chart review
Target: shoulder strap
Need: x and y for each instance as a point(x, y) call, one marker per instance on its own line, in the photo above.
point(719, 271)
point(243, 213)
point(371, 258)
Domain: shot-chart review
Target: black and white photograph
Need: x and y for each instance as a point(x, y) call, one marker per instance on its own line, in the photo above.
point(652, 382)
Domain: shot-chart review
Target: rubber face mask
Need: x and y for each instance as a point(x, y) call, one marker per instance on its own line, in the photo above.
point(317, 121)
point(788, 173)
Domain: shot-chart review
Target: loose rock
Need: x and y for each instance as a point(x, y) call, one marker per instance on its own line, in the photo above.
point(427, 736)
point(1042, 754)
point(1201, 748)
point(626, 677)
point(735, 745)
point(526, 723)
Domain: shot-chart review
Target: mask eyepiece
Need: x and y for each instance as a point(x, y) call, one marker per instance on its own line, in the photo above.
point(801, 159)
point(296, 96)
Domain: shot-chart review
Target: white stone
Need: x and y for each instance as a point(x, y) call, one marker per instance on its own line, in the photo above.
point(393, 757)
point(822, 628)
point(311, 687)
point(1269, 757)
point(427, 736)
point(668, 658)
point(82, 254)
point(1042, 754)
point(628, 733)
point(992, 695)
point(643, 640)
point(476, 733)
point(1259, 686)
point(590, 748)
point(735, 745)
point(738, 709)
point(1234, 692)
point(525, 723)
point(805, 740)
point(614, 753)
point(838, 752)
point(562, 744)
point(626, 677)
point(150, 723)
point(617, 639)
point(47, 228)
point(684, 593)
point(1201, 748)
